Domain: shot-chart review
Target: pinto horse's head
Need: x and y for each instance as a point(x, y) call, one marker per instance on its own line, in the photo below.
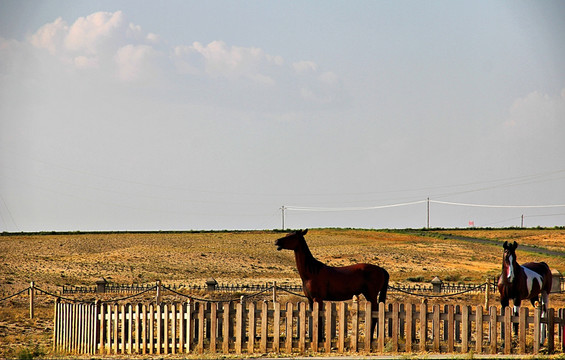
point(291, 241)
point(509, 260)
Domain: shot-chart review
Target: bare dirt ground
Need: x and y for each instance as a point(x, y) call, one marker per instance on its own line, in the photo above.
point(54, 260)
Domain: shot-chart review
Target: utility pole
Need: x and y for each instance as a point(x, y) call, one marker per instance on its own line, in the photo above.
point(522, 221)
point(428, 223)
point(282, 211)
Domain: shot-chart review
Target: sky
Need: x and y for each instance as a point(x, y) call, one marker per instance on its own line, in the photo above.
point(211, 115)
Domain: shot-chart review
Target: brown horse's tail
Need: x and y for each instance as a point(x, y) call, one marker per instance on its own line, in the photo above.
point(384, 288)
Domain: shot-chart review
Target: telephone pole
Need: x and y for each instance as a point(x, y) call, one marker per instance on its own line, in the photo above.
point(428, 222)
point(282, 211)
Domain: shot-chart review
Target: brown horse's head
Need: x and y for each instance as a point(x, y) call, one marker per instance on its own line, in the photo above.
point(509, 262)
point(291, 241)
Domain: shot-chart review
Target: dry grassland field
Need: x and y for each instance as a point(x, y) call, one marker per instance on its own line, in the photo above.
point(247, 257)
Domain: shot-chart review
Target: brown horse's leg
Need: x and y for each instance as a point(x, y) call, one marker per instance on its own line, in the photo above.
point(384, 287)
point(373, 298)
point(320, 319)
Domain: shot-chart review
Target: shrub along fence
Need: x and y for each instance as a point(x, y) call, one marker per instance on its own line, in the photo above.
point(271, 327)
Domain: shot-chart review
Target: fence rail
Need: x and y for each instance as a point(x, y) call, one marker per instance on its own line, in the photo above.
point(439, 287)
point(134, 288)
point(267, 327)
point(445, 288)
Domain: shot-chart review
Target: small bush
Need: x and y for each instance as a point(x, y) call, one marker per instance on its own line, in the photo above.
point(452, 278)
point(30, 352)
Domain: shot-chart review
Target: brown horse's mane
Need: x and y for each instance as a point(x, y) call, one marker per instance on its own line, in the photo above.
point(313, 265)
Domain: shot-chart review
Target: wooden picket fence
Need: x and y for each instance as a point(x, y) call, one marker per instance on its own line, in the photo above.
point(267, 327)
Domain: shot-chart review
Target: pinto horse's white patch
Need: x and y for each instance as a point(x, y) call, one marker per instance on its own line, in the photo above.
point(510, 270)
point(530, 277)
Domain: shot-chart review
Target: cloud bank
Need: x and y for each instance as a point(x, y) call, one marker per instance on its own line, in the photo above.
point(107, 43)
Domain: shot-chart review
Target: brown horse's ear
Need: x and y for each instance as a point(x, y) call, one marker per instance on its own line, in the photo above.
point(304, 231)
point(505, 245)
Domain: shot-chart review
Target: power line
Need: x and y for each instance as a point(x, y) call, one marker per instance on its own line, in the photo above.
point(304, 208)
point(364, 208)
point(428, 201)
point(496, 206)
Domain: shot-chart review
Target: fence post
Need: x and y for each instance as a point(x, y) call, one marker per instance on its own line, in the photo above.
point(211, 284)
point(537, 325)
point(465, 328)
point(522, 328)
point(302, 327)
point(436, 284)
point(288, 340)
point(506, 330)
point(395, 326)
point(562, 328)
point(277, 328)
point(31, 296)
point(368, 326)
point(330, 324)
point(189, 332)
point(101, 285)
point(355, 325)
point(381, 325)
point(227, 306)
point(274, 292)
point(479, 329)
point(436, 327)
point(239, 327)
point(550, 315)
point(450, 328)
point(158, 296)
point(493, 325)
point(264, 326)
point(56, 326)
point(423, 325)
point(342, 326)
point(409, 309)
point(487, 293)
point(316, 328)
point(252, 330)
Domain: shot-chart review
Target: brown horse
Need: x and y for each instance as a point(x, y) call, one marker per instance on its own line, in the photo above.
point(322, 282)
point(523, 282)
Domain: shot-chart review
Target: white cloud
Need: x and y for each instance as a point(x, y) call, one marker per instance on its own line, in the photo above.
point(329, 78)
point(106, 43)
point(152, 38)
point(536, 113)
point(532, 134)
point(87, 34)
point(186, 60)
point(50, 36)
point(136, 62)
point(84, 62)
point(221, 60)
point(305, 66)
point(98, 41)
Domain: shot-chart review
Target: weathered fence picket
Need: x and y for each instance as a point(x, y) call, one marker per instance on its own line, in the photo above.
point(267, 327)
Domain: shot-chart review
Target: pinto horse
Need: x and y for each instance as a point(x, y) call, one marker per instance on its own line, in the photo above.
point(322, 282)
point(523, 282)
